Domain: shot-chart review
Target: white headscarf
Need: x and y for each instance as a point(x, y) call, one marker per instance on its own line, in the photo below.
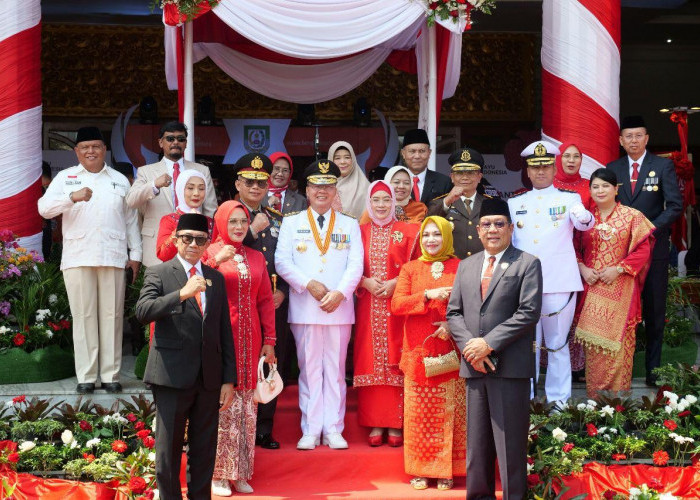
point(390, 175)
point(352, 189)
point(182, 179)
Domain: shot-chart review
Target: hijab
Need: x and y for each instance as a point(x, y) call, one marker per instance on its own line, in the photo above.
point(182, 179)
point(390, 175)
point(561, 175)
point(351, 188)
point(271, 189)
point(221, 218)
point(385, 187)
point(447, 249)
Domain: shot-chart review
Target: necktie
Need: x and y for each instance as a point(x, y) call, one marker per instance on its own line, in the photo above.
point(176, 174)
point(416, 191)
point(320, 220)
point(198, 296)
point(469, 206)
point(635, 174)
point(488, 274)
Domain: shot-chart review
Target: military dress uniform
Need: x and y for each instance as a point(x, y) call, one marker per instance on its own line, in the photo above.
point(544, 222)
point(463, 214)
point(321, 338)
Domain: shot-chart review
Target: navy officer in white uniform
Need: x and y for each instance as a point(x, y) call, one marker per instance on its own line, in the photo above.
point(544, 219)
point(320, 255)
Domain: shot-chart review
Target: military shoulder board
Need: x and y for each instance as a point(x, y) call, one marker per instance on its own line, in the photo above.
point(351, 216)
point(564, 190)
point(292, 213)
point(440, 197)
point(276, 212)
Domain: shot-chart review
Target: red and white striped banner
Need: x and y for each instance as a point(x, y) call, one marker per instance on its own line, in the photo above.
point(20, 119)
point(581, 77)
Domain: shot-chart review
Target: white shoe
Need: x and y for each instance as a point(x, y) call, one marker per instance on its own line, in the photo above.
point(335, 441)
point(308, 442)
point(242, 486)
point(221, 488)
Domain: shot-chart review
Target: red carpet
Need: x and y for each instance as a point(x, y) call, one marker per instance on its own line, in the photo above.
point(358, 472)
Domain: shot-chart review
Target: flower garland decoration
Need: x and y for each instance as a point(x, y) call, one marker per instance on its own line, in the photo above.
point(457, 10)
point(188, 9)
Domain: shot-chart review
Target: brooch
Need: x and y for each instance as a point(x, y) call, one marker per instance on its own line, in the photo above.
point(436, 269)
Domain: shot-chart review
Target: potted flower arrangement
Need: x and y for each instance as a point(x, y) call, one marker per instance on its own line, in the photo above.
point(35, 327)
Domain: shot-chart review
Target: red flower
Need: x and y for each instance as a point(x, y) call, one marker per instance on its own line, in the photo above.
point(619, 408)
point(661, 457)
point(89, 457)
point(684, 414)
point(655, 484)
point(142, 434)
point(139, 425)
point(530, 461)
point(13, 457)
point(119, 446)
point(434, 5)
point(19, 399)
point(149, 442)
point(65, 324)
point(609, 495)
point(131, 417)
point(454, 13)
point(85, 426)
point(619, 456)
point(18, 340)
point(592, 430)
point(137, 485)
point(533, 480)
point(535, 436)
point(54, 326)
point(671, 425)
point(567, 447)
point(8, 445)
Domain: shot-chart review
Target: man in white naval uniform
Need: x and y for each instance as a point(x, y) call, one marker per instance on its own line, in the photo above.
point(544, 219)
point(319, 254)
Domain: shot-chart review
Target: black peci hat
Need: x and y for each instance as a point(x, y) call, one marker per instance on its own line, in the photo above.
point(193, 222)
point(494, 206)
point(632, 122)
point(89, 134)
point(415, 136)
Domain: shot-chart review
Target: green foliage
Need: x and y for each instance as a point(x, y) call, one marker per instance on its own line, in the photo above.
point(142, 407)
point(27, 430)
point(42, 458)
point(684, 378)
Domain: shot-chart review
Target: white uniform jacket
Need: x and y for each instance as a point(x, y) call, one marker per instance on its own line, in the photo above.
point(544, 227)
point(154, 206)
point(298, 260)
point(96, 232)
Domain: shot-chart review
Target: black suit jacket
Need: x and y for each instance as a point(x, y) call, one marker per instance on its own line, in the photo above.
point(293, 202)
point(464, 233)
point(506, 318)
point(436, 184)
point(661, 206)
point(184, 340)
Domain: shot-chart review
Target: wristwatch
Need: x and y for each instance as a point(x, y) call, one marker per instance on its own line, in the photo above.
point(620, 269)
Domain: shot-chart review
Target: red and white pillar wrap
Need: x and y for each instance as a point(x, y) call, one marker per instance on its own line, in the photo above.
point(581, 77)
point(20, 119)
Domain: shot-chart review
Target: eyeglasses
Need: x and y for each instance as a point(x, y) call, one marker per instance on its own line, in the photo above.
point(187, 239)
point(277, 170)
point(638, 136)
point(262, 184)
point(238, 222)
point(421, 152)
point(498, 225)
point(173, 138)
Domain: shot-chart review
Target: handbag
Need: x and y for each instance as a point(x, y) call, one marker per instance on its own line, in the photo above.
point(268, 387)
point(442, 363)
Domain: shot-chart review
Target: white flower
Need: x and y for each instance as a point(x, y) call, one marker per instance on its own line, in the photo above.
point(559, 435)
point(691, 399)
point(27, 445)
point(41, 314)
point(668, 409)
point(529, 468)
point(689, 440)
point(613, 430)
point(74, 444)
point(672, 435)
point(602, 430)
point(635, 492)
point(53, 299)
point(581, 406)
point(152, 456)
point(4, 330)
point(679, 439)
point(153, 428)
point(156, 495)
point(49, 333)
point(607, 410)
point(67, 437)
point(93, 442)
point(667, 496)
point(682, 405)
point(592, 403)
point(9, 403)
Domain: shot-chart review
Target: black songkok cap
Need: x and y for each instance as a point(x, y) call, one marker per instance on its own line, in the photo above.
point(415, 136)
point(494, 206)
point(632, 122)
point(193, 222)
point(89, 134)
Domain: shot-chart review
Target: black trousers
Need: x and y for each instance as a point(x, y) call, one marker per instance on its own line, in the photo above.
point(654, 312)
point(283, 346)
point(173, 408)
point(498, 420)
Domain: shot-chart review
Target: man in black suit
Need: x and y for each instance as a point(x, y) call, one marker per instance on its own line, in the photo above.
point(492, 314)
point(648, 183)
point(461, 206)
point(427, 185)
point(191, 365)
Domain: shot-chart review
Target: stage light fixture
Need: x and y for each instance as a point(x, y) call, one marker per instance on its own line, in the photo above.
point(148, 111)
point(362, 113)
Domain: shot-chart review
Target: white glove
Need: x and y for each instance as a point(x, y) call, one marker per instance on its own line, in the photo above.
point(582, 215)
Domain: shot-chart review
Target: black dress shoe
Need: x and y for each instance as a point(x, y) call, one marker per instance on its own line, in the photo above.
point(112, 387)
point(266, 441)
point(651, 382)
point(85, 388)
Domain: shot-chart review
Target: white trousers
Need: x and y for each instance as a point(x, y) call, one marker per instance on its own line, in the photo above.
point(321, 351)
point(96, 298)
point(555, 329)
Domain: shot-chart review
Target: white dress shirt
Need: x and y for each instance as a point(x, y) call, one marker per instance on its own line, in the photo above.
point(495, 263)
point(198, 267)
point(170, 166)
point(97, 232)
point(638, 161)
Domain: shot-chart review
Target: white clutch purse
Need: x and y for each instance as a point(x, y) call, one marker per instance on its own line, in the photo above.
point(268, 387)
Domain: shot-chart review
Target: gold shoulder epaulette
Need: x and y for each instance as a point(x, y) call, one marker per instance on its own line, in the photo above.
point(564, 190)
point(487, 195)
point(274, 211)
point(440, 197)
point(291, 213)
point(351, 216)
point(519, 192)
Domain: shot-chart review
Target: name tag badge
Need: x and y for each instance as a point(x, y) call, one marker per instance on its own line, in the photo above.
point(303, 231)
point(73, 183)
point(520, 212)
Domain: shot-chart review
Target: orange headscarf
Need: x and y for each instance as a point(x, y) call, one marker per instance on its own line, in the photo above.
point(221, 221)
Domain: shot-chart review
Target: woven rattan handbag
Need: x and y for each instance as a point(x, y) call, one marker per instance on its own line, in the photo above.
point(442, 363)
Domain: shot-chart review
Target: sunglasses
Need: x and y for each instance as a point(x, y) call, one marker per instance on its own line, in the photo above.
point(173, 138)
point(498, 225)
point(262, 184)
point(187, 239)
